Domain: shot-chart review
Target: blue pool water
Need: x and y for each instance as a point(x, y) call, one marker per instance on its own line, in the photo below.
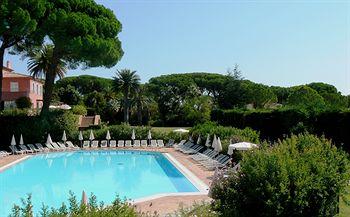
point(50, 177)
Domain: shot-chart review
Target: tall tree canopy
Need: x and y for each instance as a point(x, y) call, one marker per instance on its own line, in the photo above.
point(19, 20)
point(82, 33)
point(127, 82)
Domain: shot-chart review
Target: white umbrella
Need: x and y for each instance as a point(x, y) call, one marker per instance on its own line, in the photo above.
point(21, 140)
point(48, 140)
point(181, 130)
point(133, 137)
point(13, 141)
point(149, 136)
point(215, 141)
point(218, 145)
point(207, 142)
point(81, 138)
point(91, 137)
point(64, 136)
point(199, 140)
point(108, 136)
point(241, 146)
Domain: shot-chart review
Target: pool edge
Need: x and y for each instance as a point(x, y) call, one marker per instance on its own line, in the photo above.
point(3, 168)
point(202, 188)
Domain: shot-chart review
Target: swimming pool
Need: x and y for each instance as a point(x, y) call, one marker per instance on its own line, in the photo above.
point(129, 174)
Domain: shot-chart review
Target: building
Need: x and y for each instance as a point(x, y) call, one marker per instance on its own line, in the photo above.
point(16, 85)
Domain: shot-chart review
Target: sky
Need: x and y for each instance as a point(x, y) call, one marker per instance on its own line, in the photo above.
point(282, 43)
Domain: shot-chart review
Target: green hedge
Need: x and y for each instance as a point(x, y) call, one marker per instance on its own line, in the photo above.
point(35, 128)
point(225, 133)
point(279, 123)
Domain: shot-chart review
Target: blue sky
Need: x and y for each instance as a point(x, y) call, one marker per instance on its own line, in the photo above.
point(275, 43)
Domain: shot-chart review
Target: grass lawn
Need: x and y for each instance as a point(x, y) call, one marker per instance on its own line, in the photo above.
point(168, 129)
point(345, 209)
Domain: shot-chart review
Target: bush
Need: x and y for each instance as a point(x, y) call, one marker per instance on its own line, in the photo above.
point(300, 176)
point(23, 102)
point(35, 128)
point(225, 133)
point(279, 123)
point(75, 209)
point(79, 110)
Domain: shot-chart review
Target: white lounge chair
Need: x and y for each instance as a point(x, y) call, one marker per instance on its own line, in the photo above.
point(120, 143)
point(154, 143)
point(33, 148)
point(15, 150)
point(86, 144)
point(160, 143)
point(71, 146)
point(137, 143)
point(144, 143)
point(128, 143)
point(41, 147)
point(104, 143)
point(25, 149)
point(112, 143)
point(94, 144)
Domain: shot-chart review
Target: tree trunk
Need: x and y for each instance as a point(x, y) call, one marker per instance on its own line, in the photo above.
point(48, 88)
point(139, 113)
point(2, 54)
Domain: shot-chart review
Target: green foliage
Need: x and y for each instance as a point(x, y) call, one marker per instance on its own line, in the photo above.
point(79, 110)
point(118, 208)
point(299, 176)
point(23, 102)
point(197, 209)
point(225, 133)
point(53, 122)
point(306, 98)
point(69, 95)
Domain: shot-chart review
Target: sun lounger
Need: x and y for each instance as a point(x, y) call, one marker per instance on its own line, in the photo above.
point(104, 144)
point(137, 143)
point(4, 153)
point(62, 146)
point(71, 146)
point(26, 149)
point(41, 147)
point(170, 143)
point(86, 144)
point(160, 143)
point(120, 143)
point(112, 143)
point(154, 143)
point(144, 143)
point(15, 150)
point(94, 144)
point(128, 143)
point(33, 148)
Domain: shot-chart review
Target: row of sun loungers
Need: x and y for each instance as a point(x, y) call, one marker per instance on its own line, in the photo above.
point(122, 143)
point(58, 146)
point(204, 156)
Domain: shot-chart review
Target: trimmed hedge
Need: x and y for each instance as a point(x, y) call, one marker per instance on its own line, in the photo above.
point(276, 124)
point(35, 128)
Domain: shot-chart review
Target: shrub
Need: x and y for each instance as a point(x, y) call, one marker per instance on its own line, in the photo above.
point(75, 209)
point(35, 128)
point(300, 176)
point(225, 133)
point(23, 102)
point(79, 110)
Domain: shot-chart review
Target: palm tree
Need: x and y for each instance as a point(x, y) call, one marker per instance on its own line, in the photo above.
point(127, 82)
point(141, 101)
point(43, 63)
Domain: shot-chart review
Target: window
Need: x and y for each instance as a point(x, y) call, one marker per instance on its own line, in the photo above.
point(14, 87)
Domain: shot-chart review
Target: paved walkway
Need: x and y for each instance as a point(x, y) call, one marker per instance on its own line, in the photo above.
point(163, 205)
